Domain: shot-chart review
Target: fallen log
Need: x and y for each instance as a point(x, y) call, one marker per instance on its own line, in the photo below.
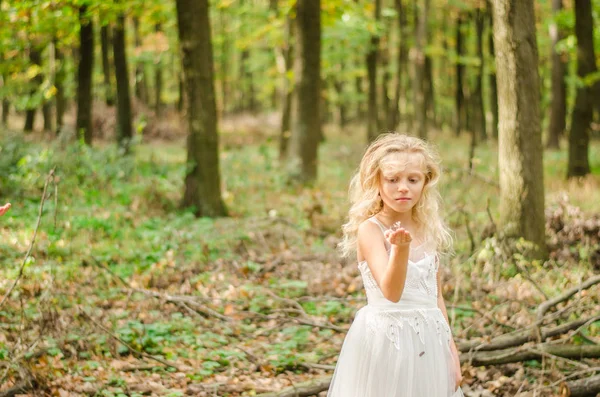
point(306, 389)
point(581, 387)
point(535, 352)
point(522, 337)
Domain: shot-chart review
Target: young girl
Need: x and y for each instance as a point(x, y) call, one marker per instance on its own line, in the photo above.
point(399, 344)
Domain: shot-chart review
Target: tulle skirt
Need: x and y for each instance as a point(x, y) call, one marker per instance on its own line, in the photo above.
point(396, 353)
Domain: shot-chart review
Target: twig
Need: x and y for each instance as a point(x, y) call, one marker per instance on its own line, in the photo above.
point(127, 345)
point(37, 226)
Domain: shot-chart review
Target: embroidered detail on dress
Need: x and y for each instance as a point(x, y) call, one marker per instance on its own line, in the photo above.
point(393, 322)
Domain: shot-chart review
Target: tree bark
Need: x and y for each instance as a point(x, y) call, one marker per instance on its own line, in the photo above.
point(585, 387)
point(124, 129)
point(373, 126)
point(536, 352)
point(84, 76)
point(583, 112)
point(306, 121)
point(109, 95)
point(203, 178)
point(520, 142)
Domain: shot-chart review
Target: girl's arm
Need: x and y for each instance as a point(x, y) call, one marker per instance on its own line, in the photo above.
point(389, 271)
point(442, 305)
point(4, 208)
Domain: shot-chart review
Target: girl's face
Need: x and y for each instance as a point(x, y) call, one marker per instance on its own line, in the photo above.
point(401, 181)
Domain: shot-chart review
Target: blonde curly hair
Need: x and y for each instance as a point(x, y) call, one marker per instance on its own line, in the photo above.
point(366, 202)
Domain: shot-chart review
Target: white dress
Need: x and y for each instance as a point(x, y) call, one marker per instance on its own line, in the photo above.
point(398, 349)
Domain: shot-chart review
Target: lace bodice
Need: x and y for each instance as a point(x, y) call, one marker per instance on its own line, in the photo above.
point(421, 278)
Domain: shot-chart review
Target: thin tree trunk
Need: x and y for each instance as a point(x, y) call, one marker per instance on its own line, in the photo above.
point(84, 76)
point(492, 75)
point(372, 113)
point(479, 112)
point(158, 80)
point(109, 95)
point(60, 87)
point(124, 129)
point(583, 111)
point(306, 121)
point(225, 62)
point(520, 143)
point(459, 93)
point(419, 68)
point(385, 83)
point(35, 57)
point(558, 105)
point(401, 66)
point(287, 91)
point(203, 178)
point(141, 88)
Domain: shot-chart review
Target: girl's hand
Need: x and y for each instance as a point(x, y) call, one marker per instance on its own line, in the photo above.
point(4, 209)
point(397, 235)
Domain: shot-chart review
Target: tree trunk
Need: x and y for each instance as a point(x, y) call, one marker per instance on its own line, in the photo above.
point(401, 66)
point(124, 129)
point(372, 112)
point(35, 58)
point(203, 178)
point(109, 96)
point(478, 110)
point(287, 91)
point(84, 76)
point(583, 112)
point(419, 68)
point(306, 122)
point(492, 76)
point(47, 115)
point(385, 83)
point(520, 142)
point(158, 80)
point(141, 88)
point(558, 105)
point(60, 87)
point(459, 93)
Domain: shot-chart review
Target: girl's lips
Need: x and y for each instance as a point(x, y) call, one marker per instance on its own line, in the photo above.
point(403, 199)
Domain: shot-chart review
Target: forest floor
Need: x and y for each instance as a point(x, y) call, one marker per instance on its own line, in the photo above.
point(125, 294)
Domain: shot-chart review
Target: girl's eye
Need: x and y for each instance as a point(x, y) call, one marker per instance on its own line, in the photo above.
point(413, 180)
point(392, 180)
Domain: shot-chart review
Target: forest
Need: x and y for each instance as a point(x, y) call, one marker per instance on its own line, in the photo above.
point(178, 175)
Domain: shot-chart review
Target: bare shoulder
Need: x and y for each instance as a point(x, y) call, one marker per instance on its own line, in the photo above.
point(369, 235)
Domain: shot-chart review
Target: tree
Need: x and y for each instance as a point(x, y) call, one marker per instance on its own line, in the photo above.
point(583, 112)
point(460, 68)
point(202, 180)
point(419, 82)
point(306, 124)
point(105, 49)
point(558, 105)
point(520, 141)
point(84, 75)
point(372, 55)
point(124, 129)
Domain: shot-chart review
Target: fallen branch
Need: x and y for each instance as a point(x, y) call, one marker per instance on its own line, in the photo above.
point(535, 352)
point(305, 389)
point(545, 306)
point(22, 387)
point(581, 388)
